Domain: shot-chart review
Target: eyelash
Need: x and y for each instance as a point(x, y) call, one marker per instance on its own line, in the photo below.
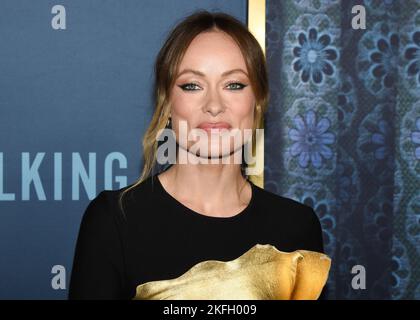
point(184, 86)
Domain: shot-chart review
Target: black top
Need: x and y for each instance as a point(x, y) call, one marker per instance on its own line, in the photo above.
point(159, 238)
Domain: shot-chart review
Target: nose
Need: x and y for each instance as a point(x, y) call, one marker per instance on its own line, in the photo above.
point(214, 103)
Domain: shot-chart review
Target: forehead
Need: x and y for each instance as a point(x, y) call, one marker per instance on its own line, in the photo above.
point(213, 51)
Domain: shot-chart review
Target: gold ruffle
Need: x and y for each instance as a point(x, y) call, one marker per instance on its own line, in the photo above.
point(261, 273)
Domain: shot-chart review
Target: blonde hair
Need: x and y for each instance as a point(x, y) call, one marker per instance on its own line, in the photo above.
point(166, 68)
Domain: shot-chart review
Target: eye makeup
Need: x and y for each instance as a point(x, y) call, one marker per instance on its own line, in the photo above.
point(190, 85)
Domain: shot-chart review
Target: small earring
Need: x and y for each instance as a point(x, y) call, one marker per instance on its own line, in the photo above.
point(168, 122)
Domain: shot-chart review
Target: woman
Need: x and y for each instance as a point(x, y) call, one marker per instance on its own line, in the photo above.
point(210, 74)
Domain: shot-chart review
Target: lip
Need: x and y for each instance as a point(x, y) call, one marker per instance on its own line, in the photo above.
point(214, 125)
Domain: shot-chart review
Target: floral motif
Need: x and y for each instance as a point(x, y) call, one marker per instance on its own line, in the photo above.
point(400, 269)
point(273, 30)
point(377, 216)
point(381, 140)
point(348, 184)
point(346, 103)
point(377, 60)
point(410, 55)
point(313, 57)
point(409, 140)
point(390, 8)
point(412, 222)
point(312, 54)
point(315, 5)
point(364, 185)
point(351, 253)
point(415, 137)
point(376, 142)
point(310, 138)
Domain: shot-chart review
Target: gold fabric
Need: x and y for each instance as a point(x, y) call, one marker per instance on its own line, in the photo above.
point(261, 273)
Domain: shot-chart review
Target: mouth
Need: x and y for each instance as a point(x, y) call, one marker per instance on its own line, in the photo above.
point(215, 126)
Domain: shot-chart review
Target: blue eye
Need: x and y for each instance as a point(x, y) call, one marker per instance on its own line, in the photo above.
point(237, 85)
point(189, 87)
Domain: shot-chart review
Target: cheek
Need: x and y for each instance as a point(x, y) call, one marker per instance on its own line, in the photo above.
point(243, 111)
point(183, 106)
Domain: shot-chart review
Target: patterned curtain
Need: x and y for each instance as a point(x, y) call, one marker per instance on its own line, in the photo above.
point(343, 134)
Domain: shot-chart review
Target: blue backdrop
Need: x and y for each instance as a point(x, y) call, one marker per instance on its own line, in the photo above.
point(74, 104)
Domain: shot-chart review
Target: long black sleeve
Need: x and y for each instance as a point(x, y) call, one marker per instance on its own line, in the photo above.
point(98, 263)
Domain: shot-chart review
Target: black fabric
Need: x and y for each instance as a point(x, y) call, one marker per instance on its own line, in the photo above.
point(159, 238)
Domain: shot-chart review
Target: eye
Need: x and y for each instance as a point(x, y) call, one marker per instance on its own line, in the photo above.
point(236, 86)
point(189, 87)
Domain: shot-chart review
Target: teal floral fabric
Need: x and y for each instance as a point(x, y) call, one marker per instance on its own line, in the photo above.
point(343, 135)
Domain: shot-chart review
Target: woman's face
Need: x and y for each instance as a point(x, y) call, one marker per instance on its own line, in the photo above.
point(212, 89)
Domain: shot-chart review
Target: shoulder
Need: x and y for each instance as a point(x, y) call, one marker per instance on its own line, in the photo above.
point(284, 207)
point(97, 213)
point(294, 217)
point(116, 204)
point(295, 223)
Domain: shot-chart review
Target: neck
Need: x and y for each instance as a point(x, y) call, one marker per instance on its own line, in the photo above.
point(214, 189)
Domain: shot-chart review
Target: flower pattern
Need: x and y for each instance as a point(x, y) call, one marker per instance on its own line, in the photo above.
point(312, 54)
point(390, 8)
point(415, 137)
point(379, 140)
point(412, 223)
point(348, 188)
point(377, 212)
point(345, 120)
point(410, 55)
point(346, 103)
point(400, 271)
point(311, 140)
point(409, 141)
point(377, 60)
point(315, 5)
point(375, 141)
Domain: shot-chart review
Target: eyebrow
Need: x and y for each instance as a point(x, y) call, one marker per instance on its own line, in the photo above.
point(199, 73)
